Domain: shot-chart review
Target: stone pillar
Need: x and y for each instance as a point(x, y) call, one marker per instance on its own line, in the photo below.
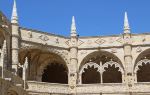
point(73, 59)
point(128, 59)
point(15, 47)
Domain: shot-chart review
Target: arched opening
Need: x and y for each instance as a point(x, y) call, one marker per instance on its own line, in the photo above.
point(143, 74)
point(142, 67)
point(90, 75)
point(44, 66)
point(112, 75)
point(55, 73)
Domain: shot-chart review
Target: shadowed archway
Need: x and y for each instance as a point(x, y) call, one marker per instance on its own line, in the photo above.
point(90, 75)
point(112, 75)
point(55, 73)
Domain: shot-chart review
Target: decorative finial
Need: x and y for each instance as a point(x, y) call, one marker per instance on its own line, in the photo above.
point(73, 27)
point(126, 24)
point(14, 18)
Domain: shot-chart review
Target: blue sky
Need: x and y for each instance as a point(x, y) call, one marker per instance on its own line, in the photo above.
point(93, 17)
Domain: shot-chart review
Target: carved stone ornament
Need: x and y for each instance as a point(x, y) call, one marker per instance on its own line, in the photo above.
point(43, 37)
point(80, 42)
point(140, 63)
point(30, 34)
point(68, 42)
point(138, 49)
point(57, 40)
point(100, 41)
point(101, 68)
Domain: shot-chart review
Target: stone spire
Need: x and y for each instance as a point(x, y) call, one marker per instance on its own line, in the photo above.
point(14, 18)
point(73, 27)
point(126, 24)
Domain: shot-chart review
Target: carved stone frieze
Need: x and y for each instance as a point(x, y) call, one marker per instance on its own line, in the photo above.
point(44, 37)
point(100, 41)
point(68, 42)
point(80, 42)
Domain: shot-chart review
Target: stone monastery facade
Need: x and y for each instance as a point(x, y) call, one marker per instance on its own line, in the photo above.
point(38, 63)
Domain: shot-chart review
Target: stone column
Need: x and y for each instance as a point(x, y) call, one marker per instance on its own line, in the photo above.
point(15, 47)
point(128, 59)
point(128, 52)
point(73, 59)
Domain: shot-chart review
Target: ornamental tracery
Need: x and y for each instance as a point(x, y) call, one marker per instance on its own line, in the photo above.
point(102, 65)
point(142, 67)
point(140, 63)
point(111, 63)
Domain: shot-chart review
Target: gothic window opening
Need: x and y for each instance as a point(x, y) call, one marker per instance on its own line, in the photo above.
point(112, 74)
point(90, 75)
point(55, 73)
point(143, 74)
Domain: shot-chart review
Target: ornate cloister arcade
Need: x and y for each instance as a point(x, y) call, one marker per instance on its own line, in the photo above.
point(44, 66)
point(101, 67)
point(142, 67)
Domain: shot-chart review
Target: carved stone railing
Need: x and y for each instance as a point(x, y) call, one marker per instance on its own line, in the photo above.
point(101, 88)
point(84, 89)
point(42, 87)
point(142, 87)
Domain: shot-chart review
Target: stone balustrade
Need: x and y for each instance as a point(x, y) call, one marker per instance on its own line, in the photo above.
point(42, 87)
point(106, 88)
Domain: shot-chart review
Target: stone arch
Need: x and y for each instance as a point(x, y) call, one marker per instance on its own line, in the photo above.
point(42, 58)
point(46, 48)
point(141, 65)
point(102, 60)
point(143, 55)
point(111, 69)
point(94, 54)
point(142, 71)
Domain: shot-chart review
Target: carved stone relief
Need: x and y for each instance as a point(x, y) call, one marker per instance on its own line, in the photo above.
point(100, 41)
point(44, 37)
point(138, 49)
